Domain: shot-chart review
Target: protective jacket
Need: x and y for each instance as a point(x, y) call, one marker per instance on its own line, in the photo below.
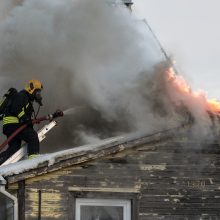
point(20, 109)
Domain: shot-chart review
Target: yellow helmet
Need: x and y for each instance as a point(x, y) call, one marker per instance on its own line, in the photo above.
point(32, 85)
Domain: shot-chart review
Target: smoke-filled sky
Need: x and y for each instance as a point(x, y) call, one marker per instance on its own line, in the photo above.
point(189, 31)
point(86, 53)
point(101, 61)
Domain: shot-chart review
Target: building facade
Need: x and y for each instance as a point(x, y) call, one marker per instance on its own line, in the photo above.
point(158, 176)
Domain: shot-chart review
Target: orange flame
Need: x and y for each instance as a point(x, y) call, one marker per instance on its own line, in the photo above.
point(179, 83)
point(214, 105)
point(182, 87)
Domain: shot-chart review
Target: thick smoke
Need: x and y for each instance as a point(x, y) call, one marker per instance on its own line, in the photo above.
point(92, 57)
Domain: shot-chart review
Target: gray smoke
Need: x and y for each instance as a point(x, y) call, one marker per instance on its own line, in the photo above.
point(89, 54)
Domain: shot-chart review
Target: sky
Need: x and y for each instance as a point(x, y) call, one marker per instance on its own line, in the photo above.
point(189, 31)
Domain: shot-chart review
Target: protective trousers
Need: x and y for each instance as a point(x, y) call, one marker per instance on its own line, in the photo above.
point(29, 135)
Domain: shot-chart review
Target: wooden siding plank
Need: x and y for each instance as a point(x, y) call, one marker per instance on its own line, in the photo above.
point(113, 190)
point(51, 204)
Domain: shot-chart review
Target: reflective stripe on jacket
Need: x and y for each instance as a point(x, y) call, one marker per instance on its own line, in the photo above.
point(10, 120)
point(23, 111)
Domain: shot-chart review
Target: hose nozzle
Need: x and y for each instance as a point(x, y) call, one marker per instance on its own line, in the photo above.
point(57, 113)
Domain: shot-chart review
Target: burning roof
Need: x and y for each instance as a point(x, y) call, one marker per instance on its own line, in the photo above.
point(180, 86)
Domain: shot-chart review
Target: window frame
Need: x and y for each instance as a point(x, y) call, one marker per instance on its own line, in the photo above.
point(126, 204)
point(82, 192)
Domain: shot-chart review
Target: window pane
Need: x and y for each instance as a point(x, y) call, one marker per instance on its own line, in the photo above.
point(6, 208)
point(101, 213)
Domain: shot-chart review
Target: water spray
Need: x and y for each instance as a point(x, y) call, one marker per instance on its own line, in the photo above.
point(71, 111)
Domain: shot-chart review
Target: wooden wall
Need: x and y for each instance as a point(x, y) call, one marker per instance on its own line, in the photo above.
point(168, 180)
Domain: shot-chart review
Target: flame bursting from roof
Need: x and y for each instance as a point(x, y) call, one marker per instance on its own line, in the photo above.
point(181, 87)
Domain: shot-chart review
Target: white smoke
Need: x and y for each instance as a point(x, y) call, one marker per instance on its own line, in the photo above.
point(86, 53)
point(5, 8)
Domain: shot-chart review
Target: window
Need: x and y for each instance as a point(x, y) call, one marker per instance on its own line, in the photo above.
point(103, 209)
point(6, 207)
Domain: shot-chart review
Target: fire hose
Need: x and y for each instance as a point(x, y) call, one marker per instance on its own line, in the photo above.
point(49, 117)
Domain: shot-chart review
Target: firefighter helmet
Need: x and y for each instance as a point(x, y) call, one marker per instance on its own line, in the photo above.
point(32, 85)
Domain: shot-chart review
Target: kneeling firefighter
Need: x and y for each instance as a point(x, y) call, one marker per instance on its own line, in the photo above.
point(20, 111)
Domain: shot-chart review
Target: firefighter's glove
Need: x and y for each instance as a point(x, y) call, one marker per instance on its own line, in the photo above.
point(26, 121)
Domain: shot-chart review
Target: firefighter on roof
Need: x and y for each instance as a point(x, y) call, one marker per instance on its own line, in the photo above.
point(20, 111)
